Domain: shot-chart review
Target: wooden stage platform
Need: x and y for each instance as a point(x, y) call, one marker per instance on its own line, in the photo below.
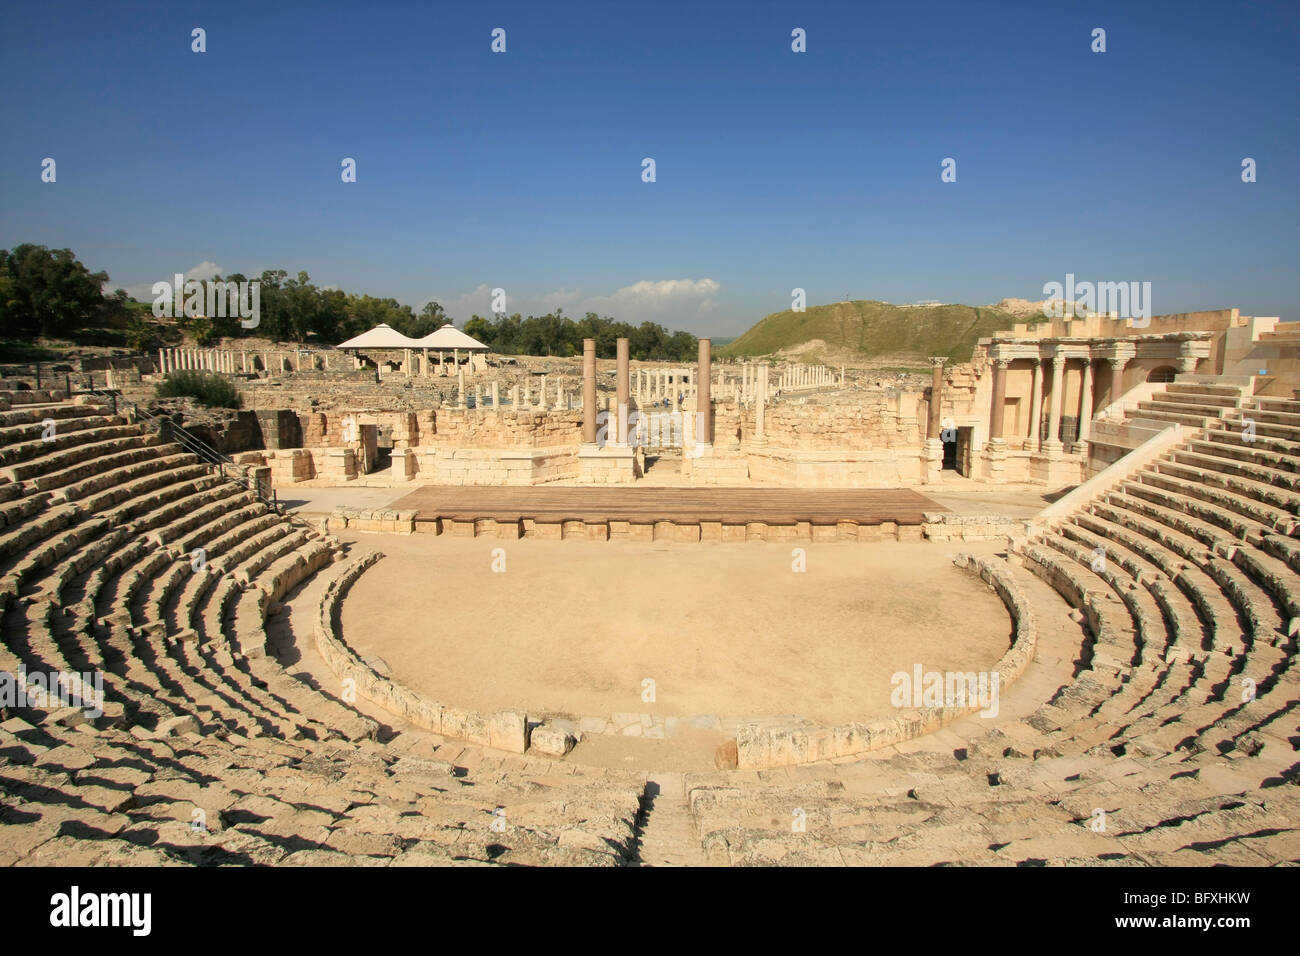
point(648, 506)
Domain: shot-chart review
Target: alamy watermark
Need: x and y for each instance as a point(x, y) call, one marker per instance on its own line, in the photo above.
point(214, 299)
point(924, 688)
point(131, 911)
point(1128, 300)
point(653, 430)
point(49, 689)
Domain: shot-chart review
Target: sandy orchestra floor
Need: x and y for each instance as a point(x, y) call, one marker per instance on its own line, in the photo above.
point(574, 628)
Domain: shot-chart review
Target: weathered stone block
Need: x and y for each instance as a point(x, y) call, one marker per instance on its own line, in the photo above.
point(550, 739)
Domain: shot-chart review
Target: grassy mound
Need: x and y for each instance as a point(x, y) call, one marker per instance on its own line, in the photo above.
point(907, 335)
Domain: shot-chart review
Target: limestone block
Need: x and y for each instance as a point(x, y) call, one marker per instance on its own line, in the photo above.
point(553, 740)
point(727, 756)
point(753, 747)
point(508, 730)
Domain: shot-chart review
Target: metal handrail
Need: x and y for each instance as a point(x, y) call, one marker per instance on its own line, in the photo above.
point(196, 446)
point(201, 449)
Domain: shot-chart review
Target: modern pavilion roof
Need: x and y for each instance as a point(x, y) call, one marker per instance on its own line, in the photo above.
point(450, 337)
point(381, 337)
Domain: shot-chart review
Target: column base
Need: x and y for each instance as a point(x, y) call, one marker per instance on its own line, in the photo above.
point(995, 460)
point(610, 464)
point(932, 461)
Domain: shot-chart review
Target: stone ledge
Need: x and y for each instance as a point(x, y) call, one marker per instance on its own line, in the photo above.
point(944, 526)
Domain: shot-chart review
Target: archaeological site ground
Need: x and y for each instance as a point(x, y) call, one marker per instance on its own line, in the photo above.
point(568, 436)
point(1039, 608)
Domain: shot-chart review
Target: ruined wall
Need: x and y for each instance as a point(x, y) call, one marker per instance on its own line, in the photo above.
point(465, 428)
point(882, 420)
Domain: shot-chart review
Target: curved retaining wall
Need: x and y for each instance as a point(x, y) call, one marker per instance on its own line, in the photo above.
point(758, 747)
point(506, 730)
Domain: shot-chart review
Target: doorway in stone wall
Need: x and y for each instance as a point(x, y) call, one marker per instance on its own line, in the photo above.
point(961, 451)
point(950, 455)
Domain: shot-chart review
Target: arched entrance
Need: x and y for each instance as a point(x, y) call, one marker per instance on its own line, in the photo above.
point(1162, 373)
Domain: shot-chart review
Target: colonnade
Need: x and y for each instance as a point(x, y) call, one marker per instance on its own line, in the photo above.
point(230, 361)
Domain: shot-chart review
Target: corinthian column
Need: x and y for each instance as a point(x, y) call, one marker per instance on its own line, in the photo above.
point(997, 411)
point(589, 391)
point(936, 396)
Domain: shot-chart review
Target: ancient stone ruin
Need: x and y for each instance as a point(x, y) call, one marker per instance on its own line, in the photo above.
point(188, 672)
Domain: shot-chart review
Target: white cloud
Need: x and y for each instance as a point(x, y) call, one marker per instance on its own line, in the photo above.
point(671, 302)
point(674, 303)
point(143, 291)
point(204, 271)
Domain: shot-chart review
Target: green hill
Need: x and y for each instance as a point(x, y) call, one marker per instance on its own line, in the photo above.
point(879, 331)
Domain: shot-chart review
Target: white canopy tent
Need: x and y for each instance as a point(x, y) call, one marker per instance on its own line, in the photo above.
point(451, 339)
point(381, 337)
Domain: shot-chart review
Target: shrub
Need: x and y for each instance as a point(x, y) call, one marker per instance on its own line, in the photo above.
point(204, 387)
point(140, 334)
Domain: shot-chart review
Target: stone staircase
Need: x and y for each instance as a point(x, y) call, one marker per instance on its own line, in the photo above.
point(1170, 736)
point(1156, 726)
point(127, 558)
point(666, 833)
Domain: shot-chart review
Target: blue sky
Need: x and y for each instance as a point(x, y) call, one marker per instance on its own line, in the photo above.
point(774, 169)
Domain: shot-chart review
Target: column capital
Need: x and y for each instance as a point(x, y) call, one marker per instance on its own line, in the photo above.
point(938, 360)
point(1002, 363)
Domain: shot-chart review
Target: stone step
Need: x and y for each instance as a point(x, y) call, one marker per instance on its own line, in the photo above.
point(1192, 421)
point(61, 457)
point(1223, 396)
point(1221, 444)
point(1264, 484)
point(667, 835)
point(1190, 483)
point(1287, 405)
point(1267, 413)
point(1188, 408)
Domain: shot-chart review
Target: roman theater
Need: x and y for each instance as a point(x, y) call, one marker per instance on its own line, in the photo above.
point(420, 604)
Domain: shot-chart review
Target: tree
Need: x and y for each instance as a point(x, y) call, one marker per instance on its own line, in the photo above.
point(366, 311)
point(430, 319)
point(47, 292)
point(483, 330)
point(647, 342)
point(140, 334)
point(506, 333)
point(683, 347)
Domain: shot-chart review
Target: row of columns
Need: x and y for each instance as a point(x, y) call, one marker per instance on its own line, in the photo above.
point(655, 384)
point(1086, 398)
point(809, 376)
point(623, 390)
point(226, 361)
point(520, 397)
point(424, 362)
